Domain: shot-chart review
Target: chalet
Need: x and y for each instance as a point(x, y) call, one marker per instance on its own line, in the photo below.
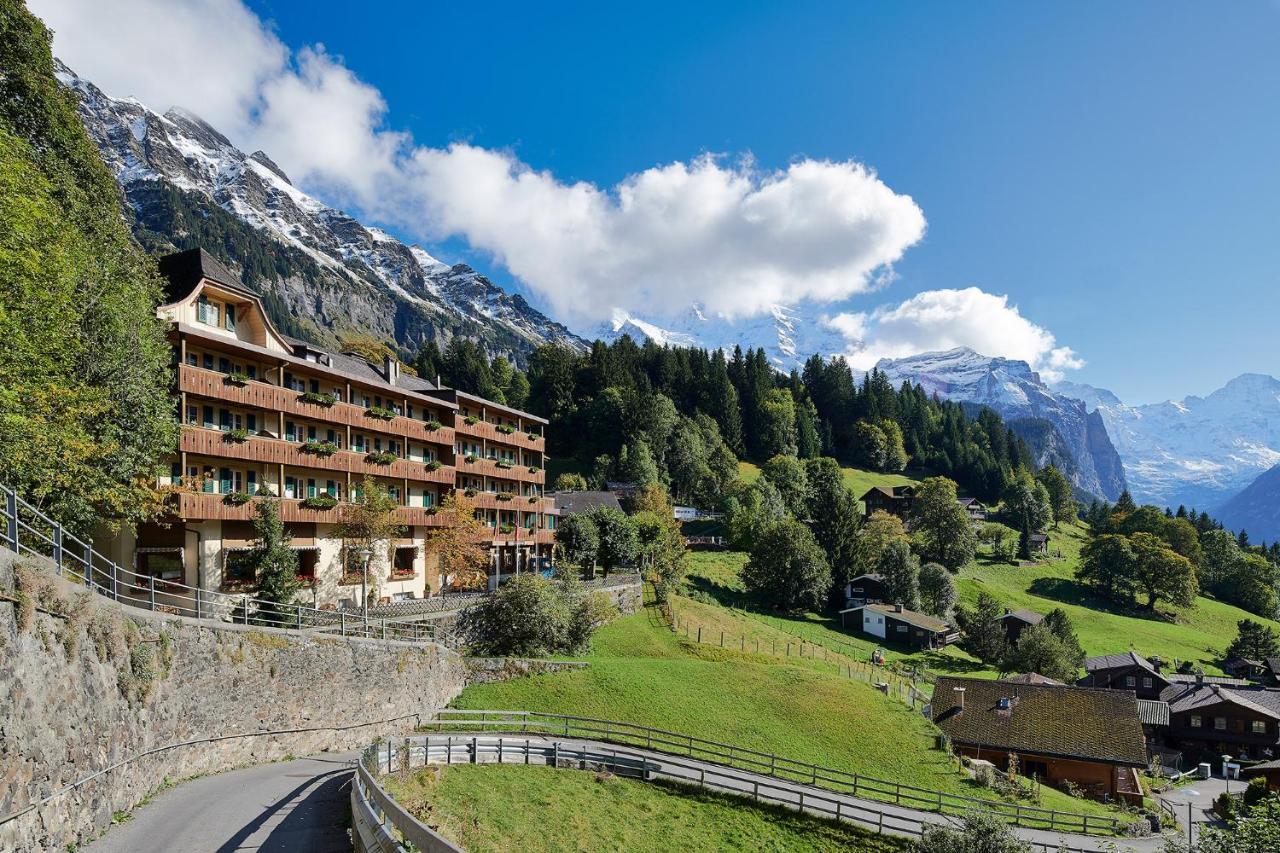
point(975, 509)
point(1090, 738)
point(1240, 721)
point(1268, 769)
point(895, 624)
point(1271, 672)
point(1250, 670)
point(1128, 671)
point(864, 589)
point(1017, 621)
point(1039, 543)
point(895, 500)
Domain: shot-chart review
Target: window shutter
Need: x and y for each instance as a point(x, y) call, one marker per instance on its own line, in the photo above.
point(231, 318)
point(311, 488)
point(225, 476)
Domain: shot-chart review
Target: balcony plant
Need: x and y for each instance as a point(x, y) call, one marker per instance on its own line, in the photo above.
point(237, 498)
point(471, 493)
point(239, 585)
point(471, 420)
point(432, 510)
point(504, 496)
point(432, 426)
point(237, 436)
point(402, 574)
point(532, 436)
point(320, 501)
point(534, 469)
point(433, 465)
point(237, 377)
point(318, 448)
point(506, 529)
point(533, 499)
point(502, 463)
point(305, 581)
point(380, 412)
point(381, 457)
point(320, 398)
point(469, 458)
point(505, 429)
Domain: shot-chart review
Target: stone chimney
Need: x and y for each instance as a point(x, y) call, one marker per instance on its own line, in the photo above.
point(959, 694)
point(1199, 678)
point(391, 369)
point(897, 608)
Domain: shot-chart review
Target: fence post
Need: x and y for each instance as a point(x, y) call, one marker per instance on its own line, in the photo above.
point(699, 633)
point(198, 615)
point(152, 587)
point(11, 519)
point(115, 582)
point(342, 621)
point(57, 546)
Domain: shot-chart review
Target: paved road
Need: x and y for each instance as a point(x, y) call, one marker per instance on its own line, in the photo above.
point(300, 805)
point(1199, 794)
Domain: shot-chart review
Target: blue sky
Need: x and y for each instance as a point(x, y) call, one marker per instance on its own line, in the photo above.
point(1113, 168)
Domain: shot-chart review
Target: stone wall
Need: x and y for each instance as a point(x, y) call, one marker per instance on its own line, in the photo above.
point(489, 670)
point(101, 683)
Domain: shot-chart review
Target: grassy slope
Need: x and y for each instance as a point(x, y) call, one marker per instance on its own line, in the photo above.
point(640, 672)
point(489, 808)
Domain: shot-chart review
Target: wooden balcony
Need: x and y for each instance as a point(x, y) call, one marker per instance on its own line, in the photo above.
point(202, 505)
point(275, 451)
point(490, 500)
point(490, 432)
point(491, 468)
point(518, 537)
point(260, 395)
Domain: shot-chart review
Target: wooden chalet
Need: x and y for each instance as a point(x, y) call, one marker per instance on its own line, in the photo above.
point(895, 500)
point(1017, 621)
point(895, 624)
point(864, 589)
point(1240, 720)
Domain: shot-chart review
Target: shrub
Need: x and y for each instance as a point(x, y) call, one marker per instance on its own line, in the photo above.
point(979, 832)
point(380, 412)
point(238, 436)
point(323, 501)
point(502, 463)
point(533, 469)
point(318, 448)
point(530, 616)
point(380, 458)
point(319, 398)
point(469, 458)
point(533, 436)
point(506, 529)
point(504, 496)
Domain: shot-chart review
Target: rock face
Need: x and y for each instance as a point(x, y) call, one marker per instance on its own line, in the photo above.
point(1017, 393)
point(1256, 509)
point(320, 271)
point(70, 707)
point(1199, 451)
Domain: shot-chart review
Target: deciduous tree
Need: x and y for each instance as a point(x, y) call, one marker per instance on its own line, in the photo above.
point(787, 568)
point(943, 529)
point(900, 571)
point(937, 590)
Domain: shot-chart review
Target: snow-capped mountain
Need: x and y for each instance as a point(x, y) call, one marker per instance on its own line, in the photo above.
point(1198, 451)
point(787, 334)
point(1017, 393)
point(321, 272)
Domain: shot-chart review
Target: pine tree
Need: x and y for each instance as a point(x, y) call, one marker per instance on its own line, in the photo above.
point(275, 565)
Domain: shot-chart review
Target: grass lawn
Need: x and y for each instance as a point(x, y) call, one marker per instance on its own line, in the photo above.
point(544, 809)
point(642, 673)
point(748, 471)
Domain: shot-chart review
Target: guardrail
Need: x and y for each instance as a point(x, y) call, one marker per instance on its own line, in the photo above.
point(769, 764)
point(28, 531)
point(389, 828)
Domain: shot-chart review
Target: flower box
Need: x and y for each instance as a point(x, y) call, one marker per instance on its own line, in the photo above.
point(305, 581)
point(433, 465)
point(381, 413)
point(504, 496)
point(506, 529)
point(532, 436)
point(380, 458)
point(471, 493)
point(470, 458)
point(237, 377)
point(351, 579)
point(239, 586)
point(237, 498)
point(403, 576)
point(319, 448)
point(320, 398)
point(432, 510)
point(319, 502)
point(534, 469)
point(505, 429)
point(504, 464)
point(533, 500)
point(236, 436)
point(471, 420)
point(432, 426)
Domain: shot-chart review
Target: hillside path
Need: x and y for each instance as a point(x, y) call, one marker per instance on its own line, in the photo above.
point(300, 805)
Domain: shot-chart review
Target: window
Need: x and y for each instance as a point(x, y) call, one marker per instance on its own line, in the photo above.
point(1220, 723)
point(1258, 727)
point(403, 561)
point(224, 365)
point(192, 359)
point(290, 431)
point(161, 564)
point(1130, 681)
point(1146, 681)
point(308, 559)
point(901, 629)
point(193, 414)
point(290, 487)
point(208, 361)
point(202, 310)
point(231, 318)
point(237, 567)
point(251, 420)
point(1195, 721)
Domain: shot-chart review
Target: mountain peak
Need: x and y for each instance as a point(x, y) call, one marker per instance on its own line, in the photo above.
point(261, 157)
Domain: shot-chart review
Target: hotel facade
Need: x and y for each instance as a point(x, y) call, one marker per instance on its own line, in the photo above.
point(264, 413)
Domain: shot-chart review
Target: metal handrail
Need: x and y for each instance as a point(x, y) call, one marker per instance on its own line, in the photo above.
point(818, 776)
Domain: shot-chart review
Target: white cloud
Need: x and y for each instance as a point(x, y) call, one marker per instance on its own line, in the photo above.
point(727, 235)
point(944, 319)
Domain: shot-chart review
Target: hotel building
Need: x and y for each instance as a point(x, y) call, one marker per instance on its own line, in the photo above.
point(266, 413)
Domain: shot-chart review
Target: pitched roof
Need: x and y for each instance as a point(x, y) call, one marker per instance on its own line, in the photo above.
point(183, 270)
point(1273, 664)
point(1051, 720)
point(920, 620)
point(1187, 678)
point(892, 492)
point(1029, 616)
point(1103, 662)
point(1153, 712)
point(1262, 768)
point(570, 503)
point(1194, 697)
point(873, 576)
point(1033, 678)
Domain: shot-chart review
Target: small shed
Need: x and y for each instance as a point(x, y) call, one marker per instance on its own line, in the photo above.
point(894, 623)
point(1015, 622)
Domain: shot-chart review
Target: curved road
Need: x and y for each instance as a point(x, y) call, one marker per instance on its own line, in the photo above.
point(300, 805)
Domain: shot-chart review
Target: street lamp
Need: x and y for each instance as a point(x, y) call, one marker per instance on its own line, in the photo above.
point(364, 555)
point(1226, 772)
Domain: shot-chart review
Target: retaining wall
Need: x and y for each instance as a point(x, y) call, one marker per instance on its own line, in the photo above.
point(82, 691)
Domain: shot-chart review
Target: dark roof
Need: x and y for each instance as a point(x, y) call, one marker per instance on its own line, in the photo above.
point(1050, 720)
point(1262, 768)
point(970, 502)
point(1104, 662)
point(1186, 678)
point(1153, 712)
point(570, 503)
point(893, 492)
point(1029, 616)
point(1039, 537)
point(872, 576)
point(1273, 664)
point(1033, 678)
point(1192, 697)
point(920, 620)
point(183, 270)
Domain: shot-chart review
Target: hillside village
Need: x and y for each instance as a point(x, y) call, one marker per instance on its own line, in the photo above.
point(309, 541)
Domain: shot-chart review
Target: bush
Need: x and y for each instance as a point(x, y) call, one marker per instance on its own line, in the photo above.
point(530, 616)
point(237, 377)
point(471, 420)
point(505, 429)
point(979, 832)
point(433, 465)
point(237, 498)
point(787, 568)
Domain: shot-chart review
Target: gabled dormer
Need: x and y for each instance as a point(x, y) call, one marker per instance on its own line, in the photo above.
point(202, 293)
